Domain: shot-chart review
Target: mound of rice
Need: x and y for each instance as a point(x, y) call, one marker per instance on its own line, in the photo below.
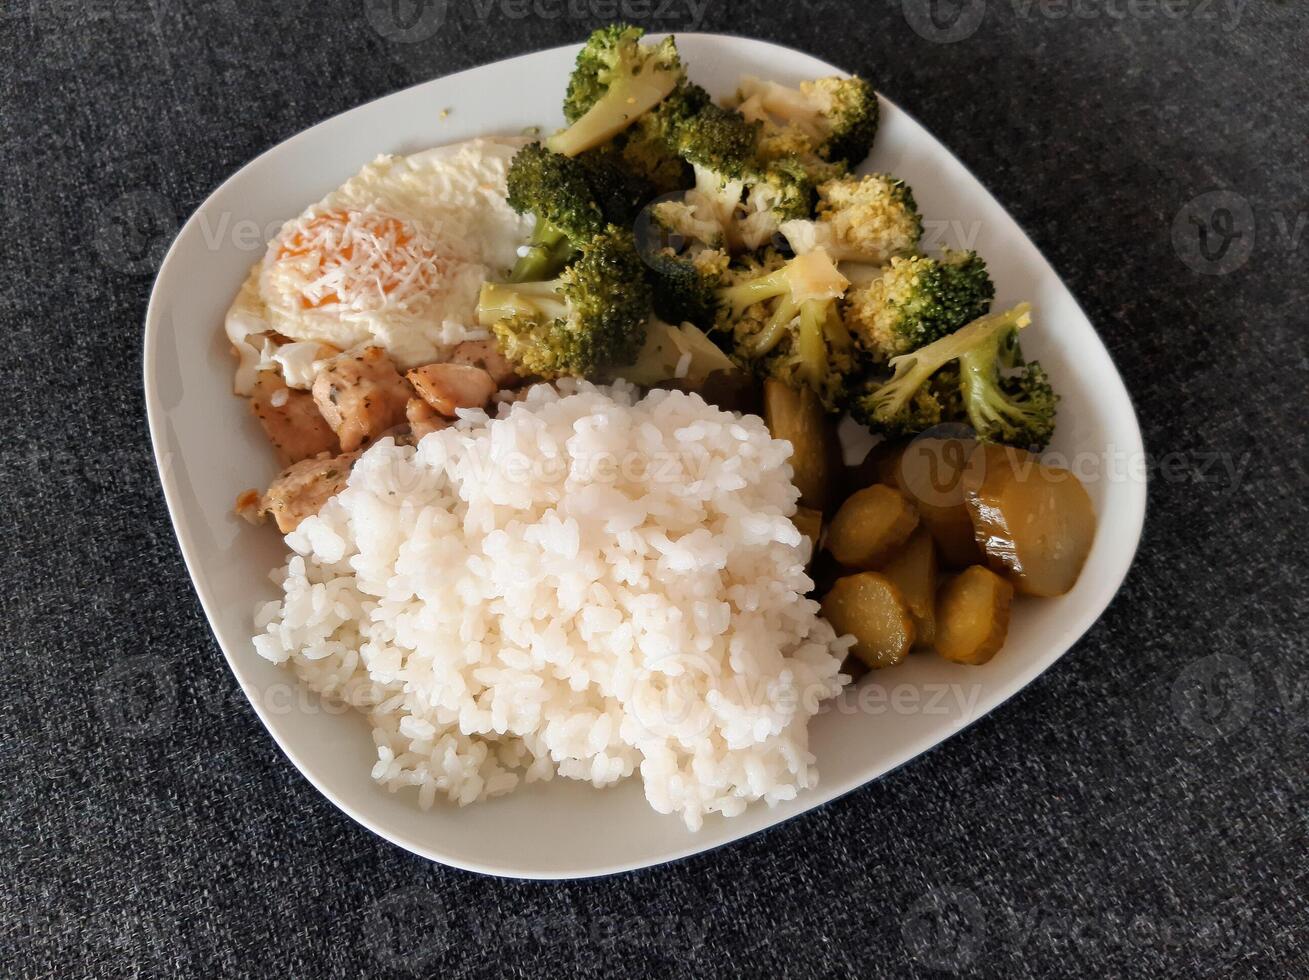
point(588, 585)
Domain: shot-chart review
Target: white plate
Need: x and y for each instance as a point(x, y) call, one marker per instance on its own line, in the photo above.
point(208, 448)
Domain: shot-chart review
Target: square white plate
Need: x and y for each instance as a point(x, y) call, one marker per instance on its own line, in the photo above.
point(208, 448)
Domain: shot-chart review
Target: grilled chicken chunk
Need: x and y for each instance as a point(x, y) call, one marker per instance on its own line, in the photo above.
point(423, 418)
point(303, 488)
point(290, 419)
point(485, 355)
point(361, 395)
point(447, 387)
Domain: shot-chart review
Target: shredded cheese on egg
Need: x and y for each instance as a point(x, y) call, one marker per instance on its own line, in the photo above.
point(359, 261)
point(395, 258)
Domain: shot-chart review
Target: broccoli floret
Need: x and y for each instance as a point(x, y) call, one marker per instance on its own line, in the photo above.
point(591, 317)
point(649, 147)
point(833, 120)
point(784, 323)
point(910, 401)
point(686, 286)
point(921, 412)
point(557, 191)
point(777, 193)
point(620, 192)
point(692, 223)
point(915, 301)
point(616, 81)
point(719, 141)
point(738, 201)
point(1018, 409)
point(943, 387)
point(719, 145)
point(860, 219)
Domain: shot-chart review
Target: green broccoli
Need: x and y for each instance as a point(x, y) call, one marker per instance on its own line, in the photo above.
point(777, 193)
point(917, 300)
point(824, 121)
point(860, 219)
point(784, 323)
point(911, 401)
point(718, 141)
point(649, 146)
point(737, 201)
point(686, 286)
point(591, 317)
point(557, 191)
point(1017, 410)
point(620, 191)
point(719, 145)
point(616, 81)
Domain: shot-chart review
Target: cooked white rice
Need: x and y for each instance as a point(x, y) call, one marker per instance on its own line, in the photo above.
point(586, 586)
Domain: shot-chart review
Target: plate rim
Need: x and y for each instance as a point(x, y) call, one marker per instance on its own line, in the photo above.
point(1134, 510)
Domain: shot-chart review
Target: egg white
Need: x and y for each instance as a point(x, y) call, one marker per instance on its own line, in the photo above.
point(450, 203)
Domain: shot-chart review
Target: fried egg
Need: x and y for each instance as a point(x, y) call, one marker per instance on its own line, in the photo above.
point(394, 257)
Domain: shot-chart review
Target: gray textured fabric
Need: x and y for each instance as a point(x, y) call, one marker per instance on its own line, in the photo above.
point(1139, 811)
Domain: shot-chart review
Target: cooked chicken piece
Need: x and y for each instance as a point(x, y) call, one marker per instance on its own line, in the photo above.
point(486, 355)
point(423, 418)
point(302, 488)
point(249, 505)
point(447, 387)
point(290, 419)
point(361, 396)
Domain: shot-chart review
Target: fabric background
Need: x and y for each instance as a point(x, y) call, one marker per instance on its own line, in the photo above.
point(1138, 811)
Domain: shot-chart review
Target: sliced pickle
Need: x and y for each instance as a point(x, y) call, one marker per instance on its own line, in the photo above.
point(871, 526)
point(798, 417)
point(929, 472)
point(913, 571)
point(972, 616)
point(1035, 522)
point(872, 609)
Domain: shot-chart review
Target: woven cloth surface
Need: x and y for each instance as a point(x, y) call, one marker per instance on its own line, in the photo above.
point(1140, 810)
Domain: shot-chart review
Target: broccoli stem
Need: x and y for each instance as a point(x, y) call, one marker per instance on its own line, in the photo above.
point(1021, 413)
point(778, 325)
point(913, 369)
point(536, 302)
point(635, 91)
point(834, 328)
point(811, 342)
point(977, 380)
point(546, 254)
point(745, 295)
